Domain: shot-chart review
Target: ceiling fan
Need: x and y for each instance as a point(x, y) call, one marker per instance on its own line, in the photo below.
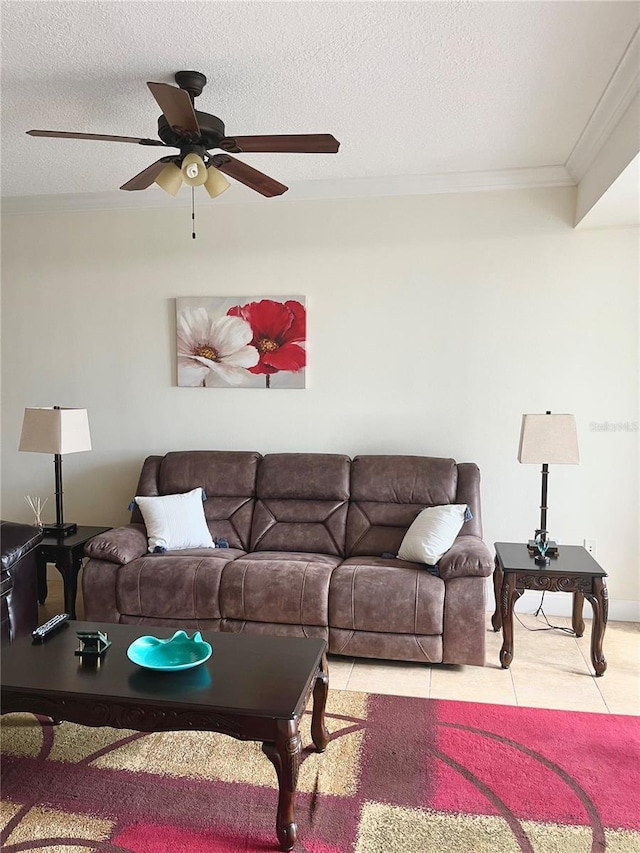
point(195, 134)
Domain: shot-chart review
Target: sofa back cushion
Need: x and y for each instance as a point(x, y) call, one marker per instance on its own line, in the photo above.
point(388, 492)
point(301, 503)
point(227, 477)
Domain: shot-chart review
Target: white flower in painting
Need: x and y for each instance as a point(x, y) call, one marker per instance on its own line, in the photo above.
point(211, 349)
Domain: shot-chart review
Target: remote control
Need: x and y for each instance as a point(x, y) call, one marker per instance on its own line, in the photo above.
point(54, 624)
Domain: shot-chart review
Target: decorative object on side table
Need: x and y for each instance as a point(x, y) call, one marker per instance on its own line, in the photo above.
point(542, 546)
point(56, 430)
point(547, 439)
point(37, 506)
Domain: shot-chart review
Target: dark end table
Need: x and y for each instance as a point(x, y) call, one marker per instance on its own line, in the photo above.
point(573, 570)
point(66, 552)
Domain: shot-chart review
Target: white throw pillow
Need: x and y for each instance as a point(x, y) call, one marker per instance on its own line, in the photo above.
point(432, 533)
point(175, 522)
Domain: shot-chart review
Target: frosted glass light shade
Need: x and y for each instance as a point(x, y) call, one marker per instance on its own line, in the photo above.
point(55, 431)
point(170, 179)
point(194, 172)
point(551, 439)
point(216, 182)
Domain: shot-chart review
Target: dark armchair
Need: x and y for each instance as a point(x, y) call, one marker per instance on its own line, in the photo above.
point(19, 594)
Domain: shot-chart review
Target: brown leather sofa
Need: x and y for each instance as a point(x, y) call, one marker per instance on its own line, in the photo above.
point(312, 539)
point(19, 592)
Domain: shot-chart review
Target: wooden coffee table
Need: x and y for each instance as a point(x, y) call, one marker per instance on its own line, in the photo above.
point(251, 688)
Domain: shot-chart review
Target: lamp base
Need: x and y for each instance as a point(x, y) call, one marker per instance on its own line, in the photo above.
point(552, 550)
point(67, 528)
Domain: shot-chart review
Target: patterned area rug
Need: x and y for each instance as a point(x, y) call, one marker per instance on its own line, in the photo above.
point(399, 775)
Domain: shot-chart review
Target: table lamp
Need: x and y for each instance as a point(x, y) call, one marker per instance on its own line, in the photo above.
point(56, 430)
point(547, 439)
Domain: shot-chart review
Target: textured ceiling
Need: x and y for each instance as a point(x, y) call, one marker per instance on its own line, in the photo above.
point(409, 89)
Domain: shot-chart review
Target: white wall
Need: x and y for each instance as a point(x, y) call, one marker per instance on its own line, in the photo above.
point(620, 149)
point(434, 323)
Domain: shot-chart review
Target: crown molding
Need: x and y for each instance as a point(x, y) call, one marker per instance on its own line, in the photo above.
point(402, 185)
point(620, 91)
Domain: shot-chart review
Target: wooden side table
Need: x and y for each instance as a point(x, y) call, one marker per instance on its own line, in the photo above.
point(66, 552)
point(573, 570)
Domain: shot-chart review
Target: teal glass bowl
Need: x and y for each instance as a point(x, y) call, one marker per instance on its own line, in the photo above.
point(178, 652)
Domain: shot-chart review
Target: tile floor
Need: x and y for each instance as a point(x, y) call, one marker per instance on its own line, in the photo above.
point(550, 669)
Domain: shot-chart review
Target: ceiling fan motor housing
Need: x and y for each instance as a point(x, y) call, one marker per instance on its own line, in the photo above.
point(211, 132)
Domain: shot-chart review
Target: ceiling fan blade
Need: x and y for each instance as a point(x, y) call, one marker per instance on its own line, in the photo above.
point(249, 176)
point(101, 137)
point(301, 143)
point(145, 178)
point(177, 107)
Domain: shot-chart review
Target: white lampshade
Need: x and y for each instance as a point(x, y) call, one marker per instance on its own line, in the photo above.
point(170, 179)
point(551, 439)
point(55, 430)
point(194, 172)
point(216, 182)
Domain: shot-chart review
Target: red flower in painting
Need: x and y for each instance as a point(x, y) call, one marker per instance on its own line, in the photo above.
point(278, 328)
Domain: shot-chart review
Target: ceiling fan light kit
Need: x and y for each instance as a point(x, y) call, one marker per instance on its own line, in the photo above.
point(195, 134)
point(216, 183)
point(170, 179)
point(194, 172)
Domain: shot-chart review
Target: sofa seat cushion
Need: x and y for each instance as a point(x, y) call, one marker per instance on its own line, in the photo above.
point(384, 595)
point(224, 554)
point(289, 588)
point(274, 629)
point(170, 586)
point(292, 556)
point(182, 624)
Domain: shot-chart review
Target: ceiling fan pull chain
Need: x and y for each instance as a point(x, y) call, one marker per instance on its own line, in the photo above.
point(193, 215)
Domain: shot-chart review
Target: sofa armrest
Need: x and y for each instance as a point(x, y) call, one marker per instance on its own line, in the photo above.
point(121, 545)
point(19, 594)
point(467, 557)
point(17, 541)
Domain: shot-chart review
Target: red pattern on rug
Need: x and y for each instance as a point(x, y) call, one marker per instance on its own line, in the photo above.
point(426, 757)
point(581, 762)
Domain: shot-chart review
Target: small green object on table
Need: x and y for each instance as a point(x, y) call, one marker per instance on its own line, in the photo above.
point(93, 645)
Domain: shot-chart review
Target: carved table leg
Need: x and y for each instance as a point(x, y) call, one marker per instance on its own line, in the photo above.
point(599, 599)
point(577, 622)
point(496, 619)
point(509, 595)
point(285, 757)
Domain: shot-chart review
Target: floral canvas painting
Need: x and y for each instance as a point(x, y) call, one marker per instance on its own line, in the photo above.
point(241, 342)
